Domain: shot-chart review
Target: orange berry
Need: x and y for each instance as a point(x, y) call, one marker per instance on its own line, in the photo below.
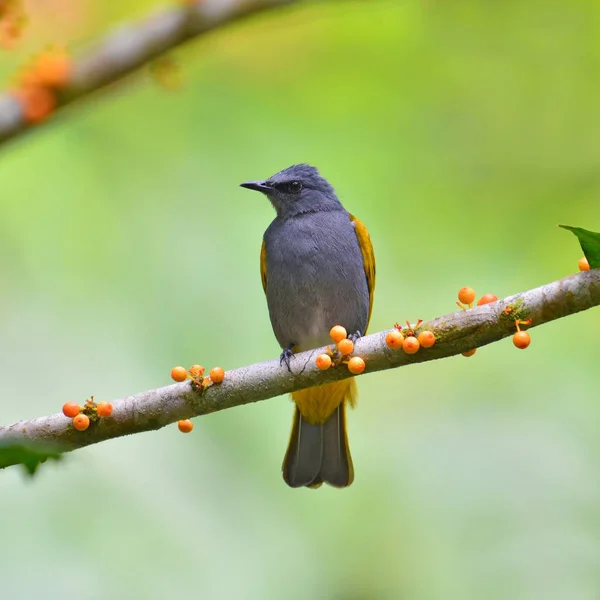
point(323, 361)
point(356, 365)
point(185, 426)
point(521, 339)
point(104, 409)
point(426, 338)
point(36, 101)
point(196, 370)
point(394, 339)
point(178, 374)
point(71, 409)
point(12, 23)
point(81, 422)
point(583, 264)
point(338, 333)
point(53, 68)
point(27, 77)
point(411, 344)
point(466, 295)
point(217, 374)
point(486, 299)
point(345, 346)
point(469, 352)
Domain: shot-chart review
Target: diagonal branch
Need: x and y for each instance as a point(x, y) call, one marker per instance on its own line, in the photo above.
point(457, 332)
point(131, 47)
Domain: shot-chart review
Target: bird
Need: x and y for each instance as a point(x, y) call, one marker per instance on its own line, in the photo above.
point(317, 268)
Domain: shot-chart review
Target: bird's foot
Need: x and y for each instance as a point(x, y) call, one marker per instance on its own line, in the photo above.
point(355, 336)
point(286, 356)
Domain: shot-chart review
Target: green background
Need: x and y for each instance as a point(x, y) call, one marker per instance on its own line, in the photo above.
point(461, 134)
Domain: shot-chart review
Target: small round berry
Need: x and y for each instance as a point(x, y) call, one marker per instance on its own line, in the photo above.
point(486, 299)
point(323, 361)
point(394, 339)
point(217, 374)
point(196, 370)
point(11, 27)
point(104, 409)
point(583, 264)
point(521, 339)
point(356, 365)
point(411, 344)
point(345, 346)
point(338, 333)
point(37, 102)
point(426, 339)
point(466, 295)
point(469, 352)
point(178, 374)
point(185, 425)
point(71, 409)
point(81, 422)
point(53, 68)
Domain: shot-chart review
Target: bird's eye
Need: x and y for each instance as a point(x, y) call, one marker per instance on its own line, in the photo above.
point(294, 187)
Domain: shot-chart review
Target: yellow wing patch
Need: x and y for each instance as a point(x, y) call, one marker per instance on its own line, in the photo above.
point(366, 248)
point(263, 266)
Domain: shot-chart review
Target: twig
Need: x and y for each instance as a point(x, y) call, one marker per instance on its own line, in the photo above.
point(131, 47)
point(457, 332)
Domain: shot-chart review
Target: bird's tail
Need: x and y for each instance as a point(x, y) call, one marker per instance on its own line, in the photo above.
point(318, 450)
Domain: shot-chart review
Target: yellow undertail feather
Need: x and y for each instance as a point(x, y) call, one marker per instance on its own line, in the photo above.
point(318, 450)
point(317, 404)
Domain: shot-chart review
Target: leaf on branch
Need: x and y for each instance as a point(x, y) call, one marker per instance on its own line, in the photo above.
point(29, 456)
point(590, 244)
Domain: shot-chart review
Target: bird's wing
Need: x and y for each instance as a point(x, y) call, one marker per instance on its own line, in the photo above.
point(263, 266)
point(366, 248)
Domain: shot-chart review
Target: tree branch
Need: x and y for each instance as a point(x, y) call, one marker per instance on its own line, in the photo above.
point(131, 47)
point(457, 332)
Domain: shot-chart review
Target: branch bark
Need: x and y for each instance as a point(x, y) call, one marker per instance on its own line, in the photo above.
point(457, 332)
point(131, 47)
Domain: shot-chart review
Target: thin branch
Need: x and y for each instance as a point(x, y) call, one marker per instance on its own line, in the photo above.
point(457, 332)
point(132, 46)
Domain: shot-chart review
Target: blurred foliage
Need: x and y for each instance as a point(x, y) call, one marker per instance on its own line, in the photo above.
point(461, 133)
point(590, 244)
point(30, 457)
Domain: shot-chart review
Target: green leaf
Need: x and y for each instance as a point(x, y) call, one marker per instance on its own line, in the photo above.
point(30, 456)
point(590, 244)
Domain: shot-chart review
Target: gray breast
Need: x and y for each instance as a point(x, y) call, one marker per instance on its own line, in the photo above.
point(315, 278)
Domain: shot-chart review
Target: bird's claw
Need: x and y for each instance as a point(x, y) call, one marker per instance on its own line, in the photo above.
point(286, 356)
point(354, 336)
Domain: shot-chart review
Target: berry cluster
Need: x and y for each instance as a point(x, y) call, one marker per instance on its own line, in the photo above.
point(83, 415)
point(12, 22)
point(466, 296)
point(408, 339)
point(38, 83)
point(196, 374)
point(345, 346)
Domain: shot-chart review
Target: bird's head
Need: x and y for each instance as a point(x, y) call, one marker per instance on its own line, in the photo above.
point(299, 189)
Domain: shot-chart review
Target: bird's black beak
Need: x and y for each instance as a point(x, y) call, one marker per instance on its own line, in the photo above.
point(259, 186)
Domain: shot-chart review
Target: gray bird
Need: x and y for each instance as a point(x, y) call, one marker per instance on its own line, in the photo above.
point(318, 270)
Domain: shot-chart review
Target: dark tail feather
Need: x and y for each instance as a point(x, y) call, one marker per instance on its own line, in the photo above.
point(319, 453)
point(336, 466)
point(302, 461)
